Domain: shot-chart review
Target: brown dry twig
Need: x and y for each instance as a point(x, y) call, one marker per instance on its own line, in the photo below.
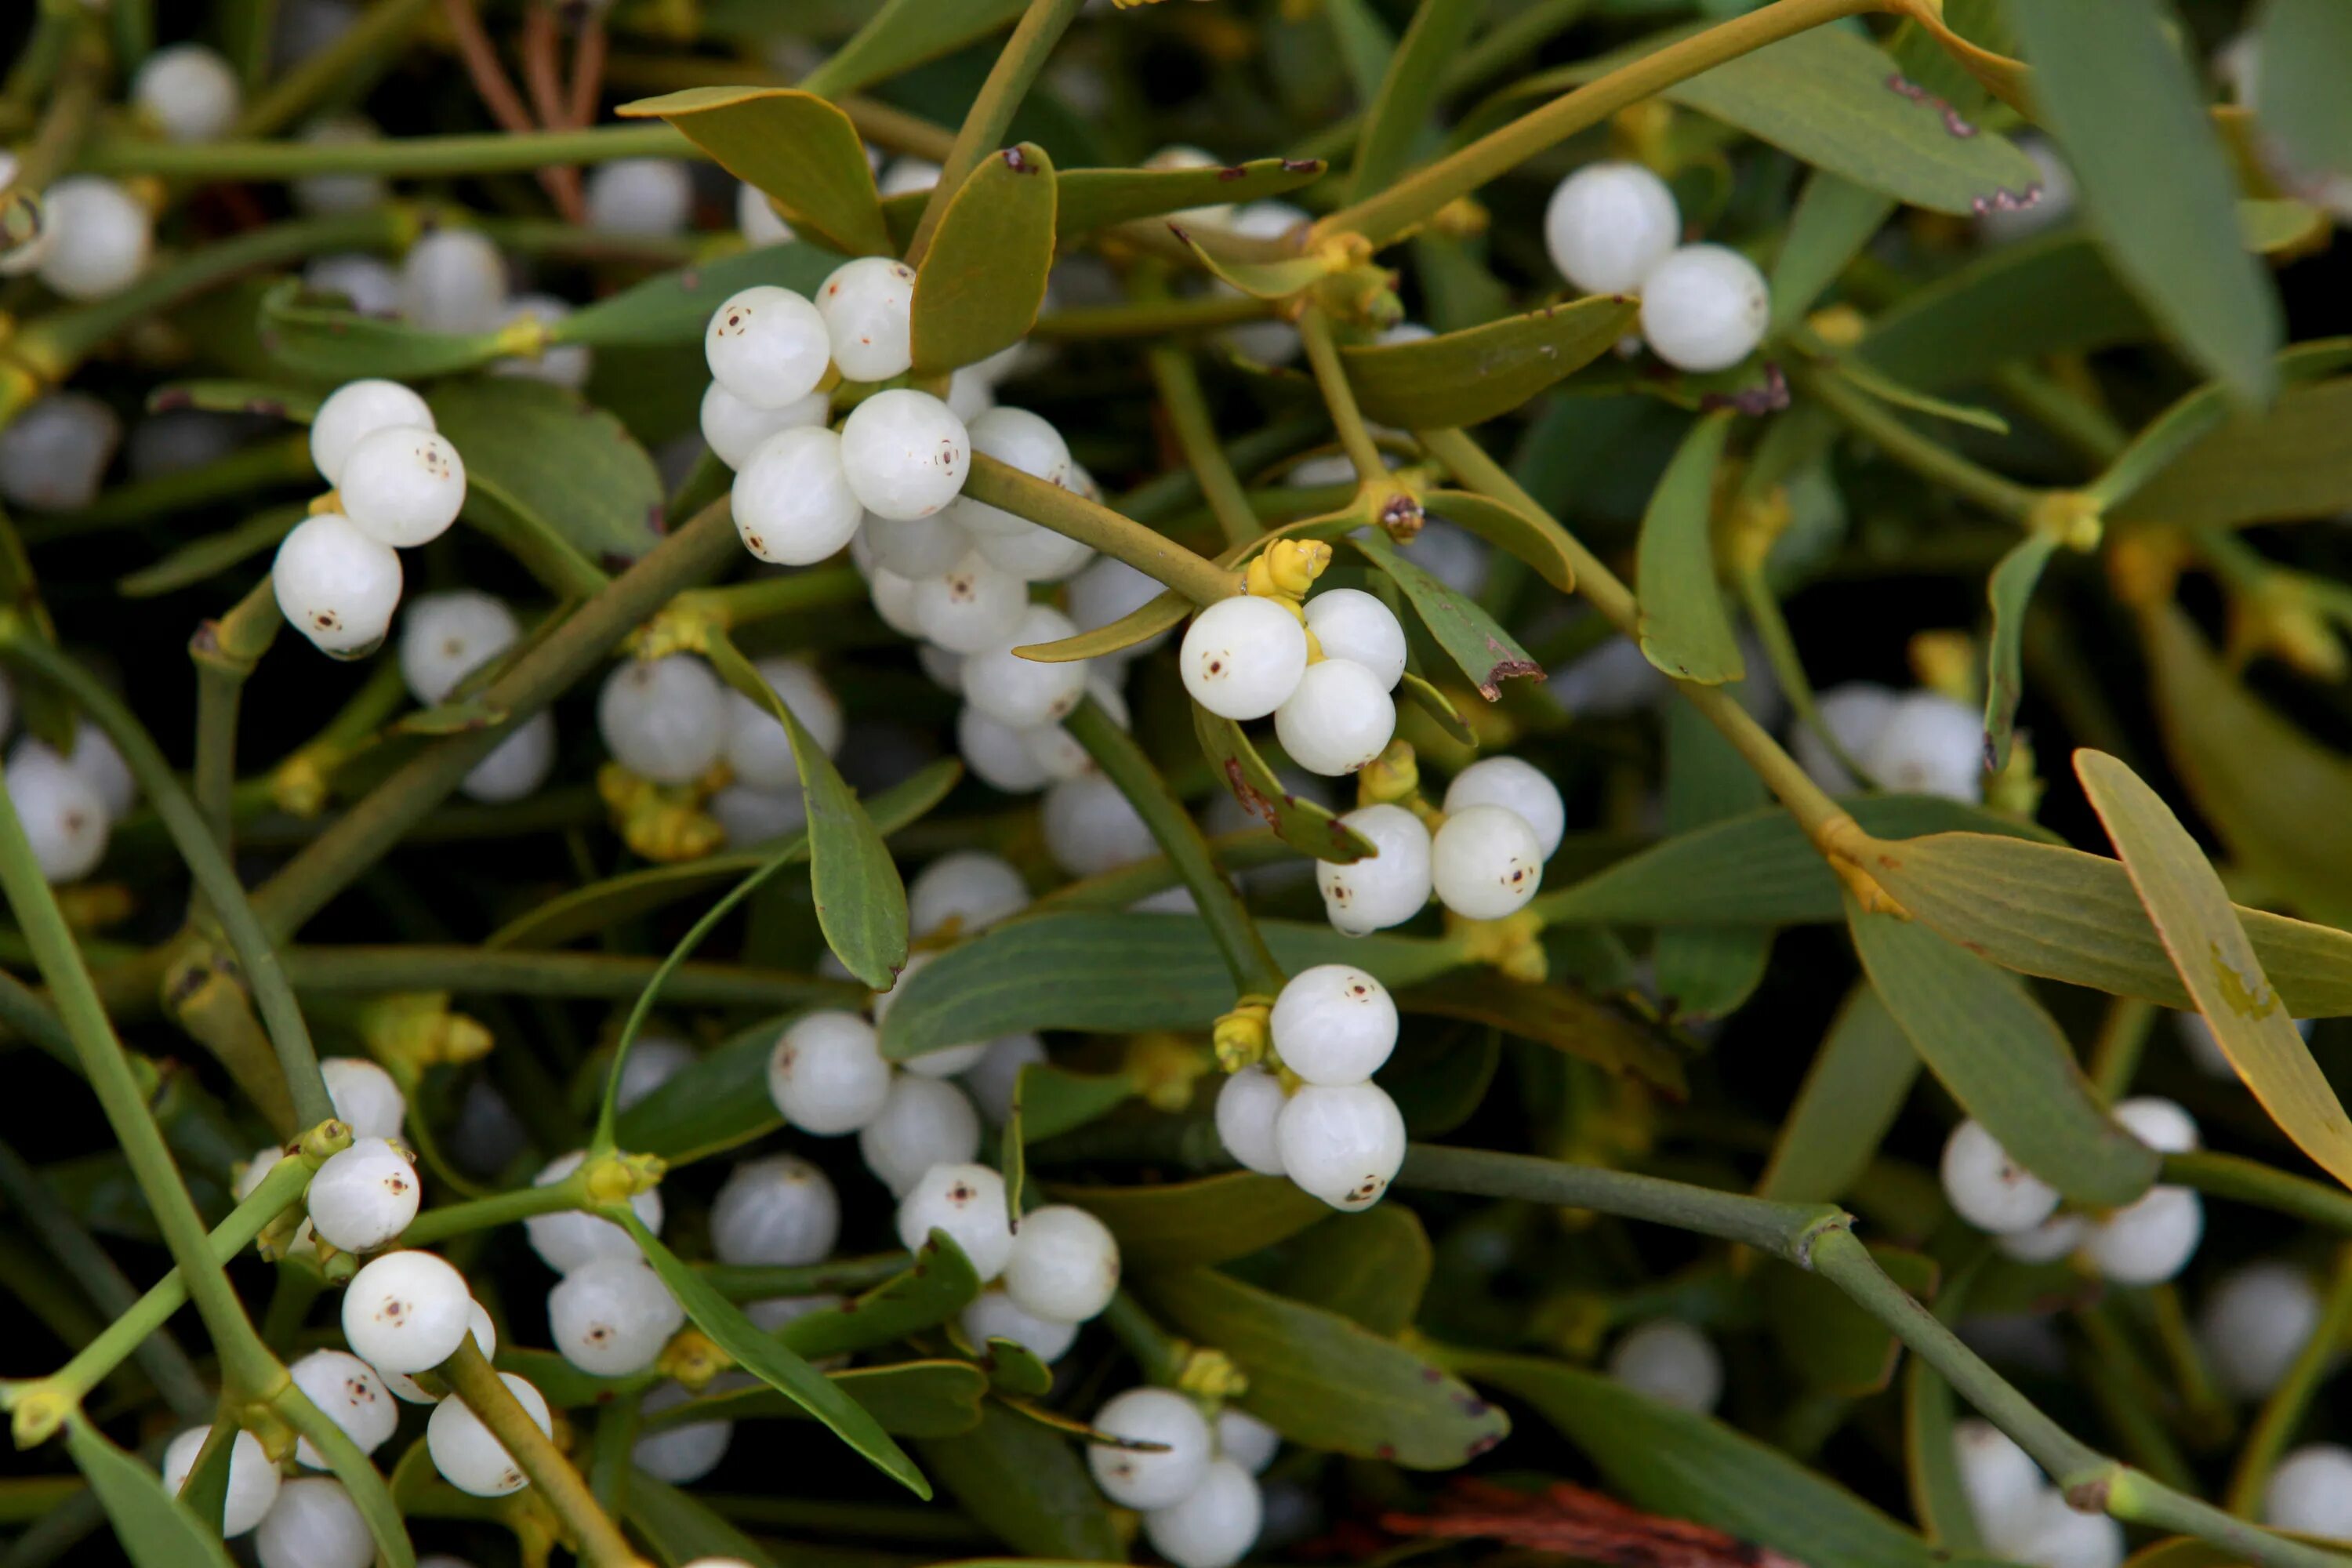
point(1582, 1524)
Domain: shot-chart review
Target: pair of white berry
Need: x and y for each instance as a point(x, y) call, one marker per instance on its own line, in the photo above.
point(68, 803)
point(1502, 819)
point(2145, 1242)
point(398, 483)
point(1614, 228)
point(2020, 1515)
point(669, 720)
point(609, 1313)
point(827, 1078)
point(444, 638)
point(1246, 656)
point(1339, 1135)
point(1059, 1266)
point(1916, 742)
point(1198, 1492)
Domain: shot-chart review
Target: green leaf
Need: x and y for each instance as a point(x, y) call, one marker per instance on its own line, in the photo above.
point(1055, 1100)
point(1138, 624)
point(1832, 99)
point(311, 337)
point(2193, 916)
point(1826, 1338)
point(1479, 648)
point(1707, 972)
point(1857, 1087)
point(1364, 43)
point(271, 400)
point(2009, 590)
point(556, 468)
point(2003, 1058)
point(983, 277)
point(681, 1529)
point(941, 1284)
point(2291, 460)
point(1027, 1485)
point(676, 307)
point(1282, 279)
point(906, 33)
point(591, 910)
point(861, 905)
point(1554, 1015)
point(1015, 1372)
point(769, 1361)
point(155, 1529)
point(795, 146)
point(716, 1102)
point(1370, 1267)
point(2300, 100)
point(1399, 112)
point(1782, 880)
point(910, 1398)
point(204, 1492)
point(1187, 1223)
point(1690, 1467)
point(1321, 1381)
point(2111, 89)
point(1833, 219)
point(1113, 973)
point(2049, 295)
point(2270, 225)
point(1686, 630)
point(1312, 829)
point(1536, 539)
point(1440, 709)
point(1092, 200)
point(1858, 375)
point(1465, 378)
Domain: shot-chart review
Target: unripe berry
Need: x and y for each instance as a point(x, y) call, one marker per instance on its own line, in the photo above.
point(2150, 1240)
point(1213, 1526)
point(313, 1524)
point(1065, 1264)
point(332, 195)
point(973, 606)
point(366, 1098)
point(53, 456)
point(779, 1211)
point(445, 637)
point(1334, 1025)
point(1337, 719)
point(405, 1313)
point(734, 428)
point(1148, 1478)
point(367, 284)
point(466, 1453)
point(826, 1074)
point(923, 1122)
point(1486, 862)
point(916, 546)
point(966, 1201)
point(1090, 828)
point(663, 719)
point(998, 755)
point(64, 818)
point(453, 281)
point(756, 217)
point(1518, 787)
point(2255, 1323)
point(1023, 692)
point(767, 346)
point(189, 91)
point(612, 1316)
point(1672, 1362)
point(1989, 1190)
point(347, 1393)
point(252, 1479)
point(1242, 657)
point(403, 486)
point(758, 750)
point(991, 1080)
point(336, 586)
point(1608, 225)
point(1342, 1145)
point(683, 1453)
point(792, 502)
point(970, 887)
point(356, 410)
point(1350, 624)
point(1020, 439)
point(2311, 1492)
point(993, 1315)
point(1249, 1106)
point(1704, 308)
point(640, 195)
point(1928, 744)
point(867, 305)
point(904, 453)
point(101, 237)
point(1246, 1440)
point(364, 1196)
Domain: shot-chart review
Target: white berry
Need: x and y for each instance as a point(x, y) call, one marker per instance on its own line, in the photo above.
point(993, 1081)
point(1246, 1440)
point(734, 428)
point(2050, 1533)
point(923, 1121)
point(793, 503)
point(313, 1524)
point(1989, 1190)
point(612, 1316)
point(1350, 624)
point(1242, 657)
point(1672, 1362)
point(767, 345)
point(1249, 1106)
point(453, 281)
point(640, 195)
point(1090, 828)
point(1023, 692)
point(403, 485)
point(1034, 554)
point(189, 91)
point(568, 1240)
point(2255, 1324)
point(1065, 1264)
point(336, 586)
point(364, 1196)
point(1518, 787)
point(252, 1479)
point(904, 453)
point(973, 606)
point(758, 750)
point(683, 1453)
point(466, 1453)
point(1999, 1476)
point(2160, 1123)
point(53, 456)
point(998, 755)
point(1928, 744)
point(966, 1201)
point(2150, 1240)
point(1337, 719)
point(756, 217)
point(367, 284)
point(1019, 439)
point(358, 409)
point(663, 719)
point(826, 1074)
point(517, 765)
point(916, 547)
point(1608, 225)
point(1214, 1525)
point(2311, 1492)
point(2052, 1239)
point(1341, 1144)
point(64, 818)
point(970, 887)
point(1704, 308)
point(1148, 1478)
point(868, 306)
point(993, 1315)
point(366, 1098)
point(906, 175)
point(1334, 1025)
point(445, 637)
point(1486, 862)
point(780, 1212)
point(100, 238)
point(405, 1311)
point(347, 1393)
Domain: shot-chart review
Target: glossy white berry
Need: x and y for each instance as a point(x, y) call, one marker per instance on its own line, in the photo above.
point(2255, 1324)
point(867, 305)
point(1928, 744)
point(758, 750)
point(64, 818)
point(252, 1479)
point(2311, 1492)
point(779, 1211)
point(1242, 657)
point(453, 281)
point(663, 719)
point(1148, 1478)
point(993, 1078)
point(2048, 1533)
point(1034, 554)
point(1091, 828)
point(2160, 1123)
point(1024, 693)
point(1214, 1525)
point(189, 91)
point(923, 1122)
point(313, 1524)
point(1853, 713)
point(358, 409)
point(751, 816)
point(468, 1456)
point(336, 586)
point(347, 1393)
point(1351, 624)
point(1989, 1190)
point(566, 1240)
point(756, 217)
point(993, 1315)
point(366, 1098)
point(2148, 1241)
point(904, 453)
point(367, 284)
point(364, 1196)
point(1110, 590)
point(99, 237)
point(1065, 1264)
point(409, 1391)
point(1341, 1144)
point(998, 755)
point(1519, 788)
point(1671, 1361)
point(1486, 862)
point(1998, 1477)
point(826, 1074)
point(1019, 439)
point(966, 1201)
point(403, 485)
point(970, 392)
point(1334, 1025)
point(970, 887)
point(1249, 1106)
point(1608, 225)
point(767, 346)
point(1054, 748)
point(53, 456)
point(1246, 1440)
point(326, 195)
point(445, 637)
point(1337, 719)
point(1704, 308)
point(640, 195)
point(916, 546)
point(683, 1453)
point(654, 1059)
point(793, 505)
point(904, 176)
point(973, 606)
point(2052, 1239)
point(612, 1316)
point(405, 1311)
point(100, 765)
point(734, 428)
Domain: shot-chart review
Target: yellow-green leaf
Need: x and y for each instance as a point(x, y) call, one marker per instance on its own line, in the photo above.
point(800, 149)
point(1534, 539)
point(1686, 630)
point(313, 337)
point(2303, 46)
point(983, 277)
point(1027, 1484)
point(2200, 929)
point(1311, 829)
point(1479, 648)
point(1465, 378)
point(1186, 1225)
point(1553, 1015)
point(1707, 972)
point(2008, 591)
point(1857, 1084)
point(2290, 460)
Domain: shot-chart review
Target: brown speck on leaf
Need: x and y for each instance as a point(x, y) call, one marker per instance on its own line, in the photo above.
point(1302, 165)
point(1228, 174)
point(1253, 799)
point(269, 407)
point(1508, 668)
point(170, 398)
point(1018, 163)
point(1755, 401)
point(1178, 230)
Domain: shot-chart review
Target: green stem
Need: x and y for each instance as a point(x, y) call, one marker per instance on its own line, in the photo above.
point(472, 1379)
point(765, 598)
point(1074, 517)
point(226, 652)
point(1512, 42)
point(2122, 1038)
point(1393, 212)
point(1179, 384)
point(377, 34)
point(1332, 378)
point(368, 971)
point(2252, 1181)
point(986, 124)
point(66, 119)
point(835, 1276)
point(1923, 454)
point(1163, 497)
point(2091, 430)
point(436, 1226)
point(1254, 971)
point(2119, 1379)
point(2283, 1413)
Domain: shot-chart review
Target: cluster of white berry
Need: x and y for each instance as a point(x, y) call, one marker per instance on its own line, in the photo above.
point(68, 802)
point(397, 483)
point(2145, 1242)
point(1323, 668)
point(1919, 742)
point(1333, 1132)
point(1614, 228)
point(2020, 1515)
point(672, 722)
point(1198, 1491)
point(1501, 820)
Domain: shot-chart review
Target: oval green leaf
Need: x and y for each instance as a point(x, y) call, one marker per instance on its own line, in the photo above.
point(2051, 295)
point(1686, 629)
point(681, 1528)
point(1185, 1225)
point(1468, 377)
point(567, 473)
point(1095, 199)
point(2007, 592)
point(1025, 1484)
point(795, 146)
point(1479, 648)
point(155, 1529)
point(311, 337)
point(1556, 1017)
point(983, 277)
point(1311, 829)
point(1857, 1084)
point(1536, 539)
point(1370, 1267)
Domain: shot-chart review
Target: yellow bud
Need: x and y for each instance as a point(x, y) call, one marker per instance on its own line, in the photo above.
point(1512, 945)
point(2143, 564)
point(2071, 517)
point(2276, 618)
point(1165, 1066)
point(1243, 1036)
point(1753, 525)
point(1210, 1375)
point(1392, 776)
point(297, 786)
point(692, 1359)
point(525, 337)
point(1461, 218)
point(1947, 661)
point(94, 906)
point(1840, 326)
